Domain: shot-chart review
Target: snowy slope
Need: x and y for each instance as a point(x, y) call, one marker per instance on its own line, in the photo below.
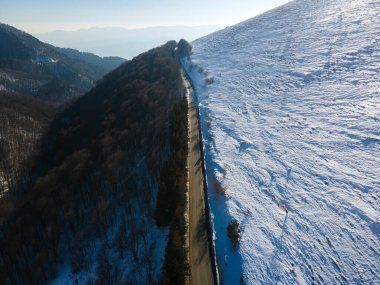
point(291, 125)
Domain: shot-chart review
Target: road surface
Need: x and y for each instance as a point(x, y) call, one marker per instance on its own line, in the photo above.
point(199, 254)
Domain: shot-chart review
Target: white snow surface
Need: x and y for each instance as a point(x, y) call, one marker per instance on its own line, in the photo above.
point(291, 128)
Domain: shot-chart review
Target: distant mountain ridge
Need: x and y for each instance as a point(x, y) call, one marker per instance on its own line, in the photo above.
point(31, 67)
point(121, 41)
point(108, 62)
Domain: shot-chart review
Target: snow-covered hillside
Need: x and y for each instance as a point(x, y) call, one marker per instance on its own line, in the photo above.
point(291, 125)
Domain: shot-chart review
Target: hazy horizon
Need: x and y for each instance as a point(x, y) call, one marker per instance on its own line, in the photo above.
point(42, 16)
point(124, 28)
point(118, 41)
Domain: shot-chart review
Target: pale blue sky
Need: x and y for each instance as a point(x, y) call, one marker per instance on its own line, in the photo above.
point(37, 16)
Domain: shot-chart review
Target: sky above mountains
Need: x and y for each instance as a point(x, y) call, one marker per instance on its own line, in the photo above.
point(40, 16)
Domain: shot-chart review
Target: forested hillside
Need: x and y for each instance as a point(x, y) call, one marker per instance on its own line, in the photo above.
point(33, 68)
point(108, 63)
point(86, 215)
point(22, 121)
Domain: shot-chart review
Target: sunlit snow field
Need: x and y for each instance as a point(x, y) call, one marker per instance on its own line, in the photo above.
point(291, 126)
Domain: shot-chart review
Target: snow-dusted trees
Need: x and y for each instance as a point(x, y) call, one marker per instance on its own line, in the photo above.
point(171, 202)
point(233, 231)
point(184, 48)
point(22, 120)
point(95, 181)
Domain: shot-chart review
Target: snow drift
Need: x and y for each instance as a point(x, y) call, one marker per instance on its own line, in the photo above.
point(290, 114)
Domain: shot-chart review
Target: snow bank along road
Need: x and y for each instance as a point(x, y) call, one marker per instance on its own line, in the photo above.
point(199, 254)
point(291, 125)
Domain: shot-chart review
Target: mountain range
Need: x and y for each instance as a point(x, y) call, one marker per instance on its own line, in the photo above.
point(123, 42)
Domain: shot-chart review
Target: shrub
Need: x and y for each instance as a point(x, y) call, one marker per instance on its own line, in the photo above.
point(209, 80)
point(218, 188)
point(233, 231)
